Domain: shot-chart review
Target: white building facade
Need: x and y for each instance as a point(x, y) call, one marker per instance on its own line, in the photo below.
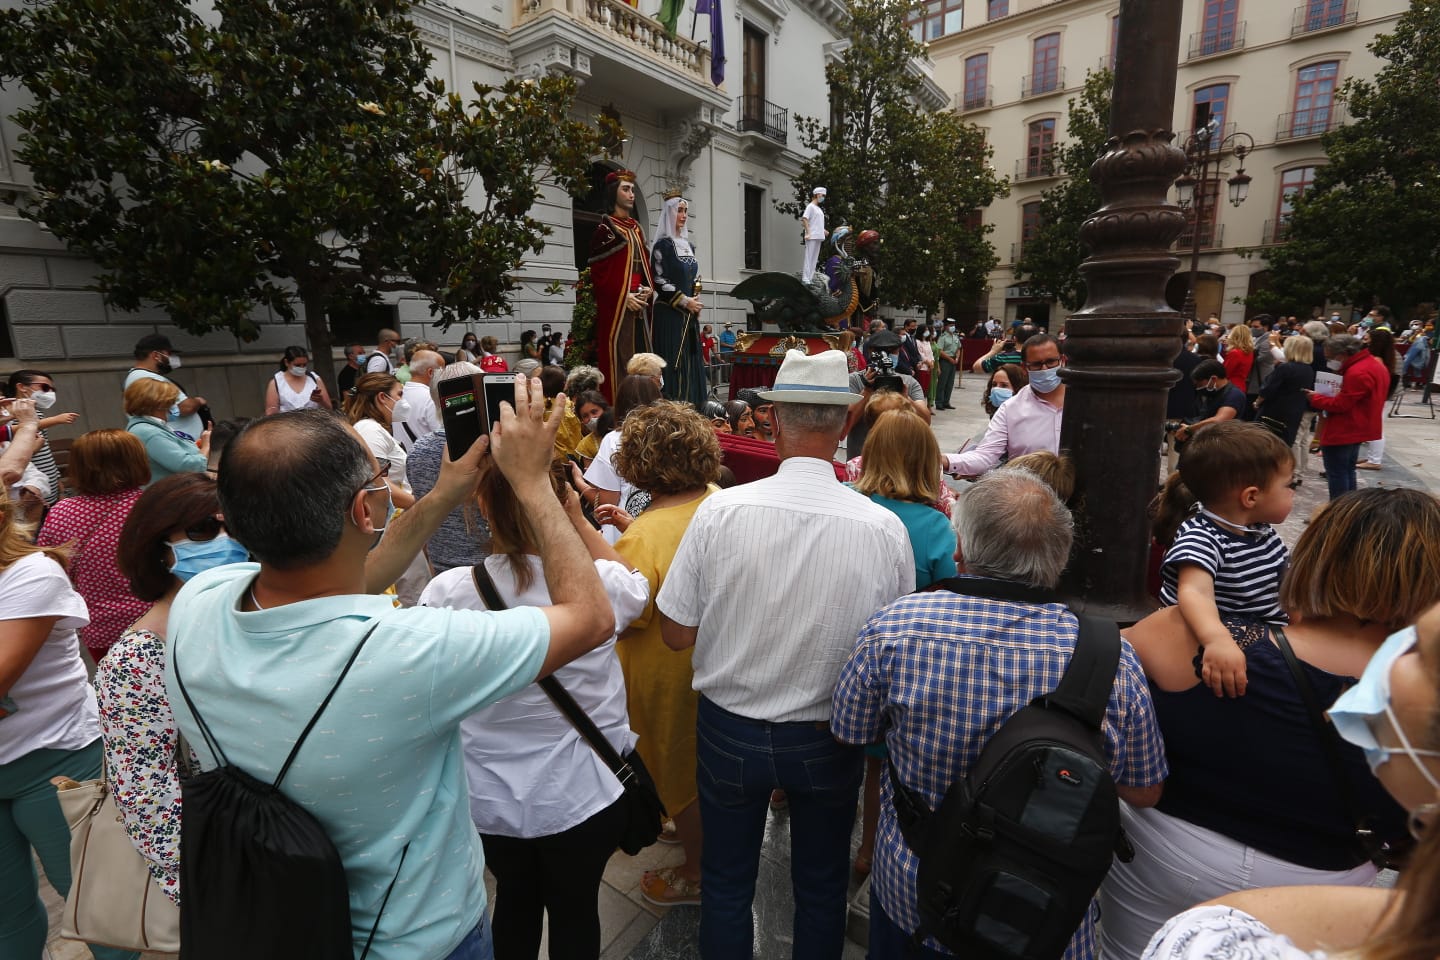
point(731, 146)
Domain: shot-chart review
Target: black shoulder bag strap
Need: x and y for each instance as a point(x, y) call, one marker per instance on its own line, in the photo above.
point(1369, 846)
point(555, 690)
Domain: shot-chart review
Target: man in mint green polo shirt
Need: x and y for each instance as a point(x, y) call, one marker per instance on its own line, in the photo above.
point(259, 645)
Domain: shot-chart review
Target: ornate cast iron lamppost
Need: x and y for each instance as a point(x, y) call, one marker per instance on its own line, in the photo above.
point(1204, 149)
point(1121, 345)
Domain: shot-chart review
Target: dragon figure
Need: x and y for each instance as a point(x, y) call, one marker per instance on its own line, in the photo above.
point(831, 297)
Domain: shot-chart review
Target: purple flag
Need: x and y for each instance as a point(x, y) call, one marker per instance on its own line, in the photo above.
point(717, 39)
point(702, 8)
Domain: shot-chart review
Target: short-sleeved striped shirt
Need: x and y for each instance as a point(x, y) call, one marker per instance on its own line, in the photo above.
point(936, 674)
point(1247, 567)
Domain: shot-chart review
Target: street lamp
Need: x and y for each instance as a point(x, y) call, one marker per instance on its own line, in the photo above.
point(1206, 149)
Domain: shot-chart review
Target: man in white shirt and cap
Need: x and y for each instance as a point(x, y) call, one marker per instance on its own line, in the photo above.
point(770, 586)
point(814, 219)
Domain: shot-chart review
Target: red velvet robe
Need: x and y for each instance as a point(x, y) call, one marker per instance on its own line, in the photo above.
point(619, 264)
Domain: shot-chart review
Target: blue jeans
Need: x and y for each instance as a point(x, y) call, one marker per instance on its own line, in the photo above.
point(1340, 467)
point(477, 945)
point(739, 762)
point(889, 941)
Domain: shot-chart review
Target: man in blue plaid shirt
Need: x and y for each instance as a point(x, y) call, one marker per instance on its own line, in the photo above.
point(936, 674)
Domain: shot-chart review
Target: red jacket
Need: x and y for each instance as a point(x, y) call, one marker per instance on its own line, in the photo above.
point(1237, 366)
point(1356, 413)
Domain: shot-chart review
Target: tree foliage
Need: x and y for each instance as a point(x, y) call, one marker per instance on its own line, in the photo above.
point(1050, 260)
point(1369, 229)
point(275, 151)
point(892, 166)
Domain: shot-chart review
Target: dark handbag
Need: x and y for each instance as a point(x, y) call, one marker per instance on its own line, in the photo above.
point(1379, 851)
point(645, 813)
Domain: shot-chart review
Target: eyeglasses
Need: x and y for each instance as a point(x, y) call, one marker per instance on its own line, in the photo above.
point(207, 529)
point(1050, 364)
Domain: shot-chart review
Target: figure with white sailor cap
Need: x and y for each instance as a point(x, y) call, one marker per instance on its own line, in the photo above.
point(814, 232)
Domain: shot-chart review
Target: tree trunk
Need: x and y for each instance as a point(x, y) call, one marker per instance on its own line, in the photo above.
point(322, 344)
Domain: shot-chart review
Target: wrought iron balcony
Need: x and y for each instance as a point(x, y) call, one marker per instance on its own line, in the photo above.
point(1310, 123)
point(1312, 17)
point(1208, 43)
point(1040, 84)
point(1216, 138)
point(979, 98)
point(1276, 231)
point(1212, 236)
point(758, 115)
point(1037, 168)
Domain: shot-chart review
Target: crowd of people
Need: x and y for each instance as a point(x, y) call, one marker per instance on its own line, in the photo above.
point(769, 624)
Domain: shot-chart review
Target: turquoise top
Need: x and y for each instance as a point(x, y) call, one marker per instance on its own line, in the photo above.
point(383, 766)
point(932, 539)
point(167, 453)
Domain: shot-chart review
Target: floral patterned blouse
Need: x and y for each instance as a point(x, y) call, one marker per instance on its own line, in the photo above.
point(140, 737)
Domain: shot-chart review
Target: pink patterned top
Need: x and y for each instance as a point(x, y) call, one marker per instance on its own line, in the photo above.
point(93, 524)
point(140, 736)
point(854, 465)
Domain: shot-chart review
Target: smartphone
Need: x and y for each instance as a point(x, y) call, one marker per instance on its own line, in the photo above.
point(461, 413)
point(469, 407)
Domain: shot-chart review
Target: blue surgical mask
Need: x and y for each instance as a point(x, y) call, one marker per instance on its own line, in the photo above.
point(999, 395)
point(1045, 381)
point(1359, 710)
point(197, 556)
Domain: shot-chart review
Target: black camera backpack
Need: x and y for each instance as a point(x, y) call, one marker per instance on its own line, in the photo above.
point(1009, 862)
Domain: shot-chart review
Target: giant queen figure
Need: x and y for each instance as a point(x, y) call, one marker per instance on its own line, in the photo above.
point(620, 273)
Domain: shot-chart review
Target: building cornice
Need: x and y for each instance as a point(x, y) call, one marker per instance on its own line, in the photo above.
point(474, 37)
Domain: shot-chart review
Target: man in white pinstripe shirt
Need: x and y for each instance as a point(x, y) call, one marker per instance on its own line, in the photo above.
point(770, 585)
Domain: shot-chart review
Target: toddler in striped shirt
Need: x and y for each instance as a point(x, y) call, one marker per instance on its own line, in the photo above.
point(1234, 480)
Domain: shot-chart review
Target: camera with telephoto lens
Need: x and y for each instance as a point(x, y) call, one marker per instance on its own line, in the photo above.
point(885, 376)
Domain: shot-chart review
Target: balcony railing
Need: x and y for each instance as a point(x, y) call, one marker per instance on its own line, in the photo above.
point(1216, 138)
point(1212, 236)
point(1036, 168)
point(1208, 43)
point(1042, 83)
point(977, 99)
point(1310, 123)
point(1276, 231)
point(758, 115)
point(628, 30)
point(1310, 17)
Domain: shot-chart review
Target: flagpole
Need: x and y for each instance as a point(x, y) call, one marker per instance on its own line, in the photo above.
point(694, 20)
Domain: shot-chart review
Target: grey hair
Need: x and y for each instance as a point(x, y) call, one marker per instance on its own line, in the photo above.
point(1317, 330)
point(583, 378)
point(811, 417)
point(528, 367)
point(461, 368)
point(1012, 526)
point(424, 361)
point(1343, 345)
point(286, 483)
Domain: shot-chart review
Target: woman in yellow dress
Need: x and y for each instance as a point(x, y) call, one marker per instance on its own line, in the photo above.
point(668, 450)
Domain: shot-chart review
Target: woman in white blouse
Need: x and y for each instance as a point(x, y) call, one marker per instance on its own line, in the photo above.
point(48, 728)
point(549, 811)
point(370, 408)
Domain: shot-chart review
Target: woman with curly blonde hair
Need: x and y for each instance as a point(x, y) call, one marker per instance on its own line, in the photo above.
point(669, 450)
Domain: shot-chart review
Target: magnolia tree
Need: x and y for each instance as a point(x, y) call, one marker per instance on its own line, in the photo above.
point(271, 153)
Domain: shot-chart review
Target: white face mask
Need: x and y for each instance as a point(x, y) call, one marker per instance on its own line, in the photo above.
point(174, 361)
point(1333, 364)
point(400, 410)
point(44, 399)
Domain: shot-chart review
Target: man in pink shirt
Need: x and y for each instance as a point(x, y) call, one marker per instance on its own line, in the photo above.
point(1028, 421)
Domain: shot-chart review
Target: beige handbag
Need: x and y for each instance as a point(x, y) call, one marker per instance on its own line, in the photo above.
point(113, 899)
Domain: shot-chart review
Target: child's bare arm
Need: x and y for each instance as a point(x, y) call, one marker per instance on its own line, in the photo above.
point(1223, 666)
